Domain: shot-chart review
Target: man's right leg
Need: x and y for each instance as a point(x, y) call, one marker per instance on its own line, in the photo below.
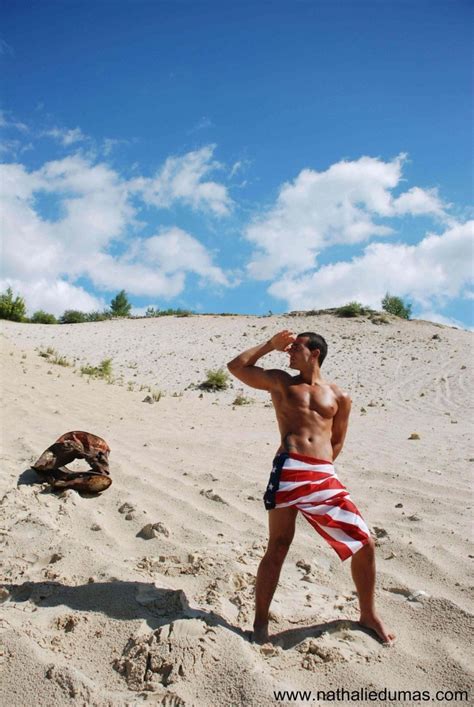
point(281, 522)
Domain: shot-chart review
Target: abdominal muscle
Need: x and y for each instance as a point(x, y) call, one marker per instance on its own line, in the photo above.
point(312, 440)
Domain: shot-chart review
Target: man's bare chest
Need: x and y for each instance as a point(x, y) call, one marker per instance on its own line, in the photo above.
point(302, 398)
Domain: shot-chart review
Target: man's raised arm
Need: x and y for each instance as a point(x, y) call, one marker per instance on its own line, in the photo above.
point(243, 366)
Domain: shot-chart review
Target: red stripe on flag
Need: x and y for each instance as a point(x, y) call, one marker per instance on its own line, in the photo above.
point(342, 550)
point(353, 531)
point(302, 491)
point(304, 475)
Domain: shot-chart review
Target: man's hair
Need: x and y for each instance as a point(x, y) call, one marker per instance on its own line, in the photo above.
point(316, 341)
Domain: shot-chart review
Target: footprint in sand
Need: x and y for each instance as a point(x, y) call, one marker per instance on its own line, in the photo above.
point(343, 643)
point(181, 649)
point(417, 595)
point(209, 493)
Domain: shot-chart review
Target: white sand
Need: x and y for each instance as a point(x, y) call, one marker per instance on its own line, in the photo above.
point(94, 615)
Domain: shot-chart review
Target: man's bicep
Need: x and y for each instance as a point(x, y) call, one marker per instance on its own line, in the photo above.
point(341, 419)
point(257, 377)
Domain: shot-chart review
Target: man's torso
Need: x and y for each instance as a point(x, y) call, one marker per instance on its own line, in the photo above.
point(305, 416)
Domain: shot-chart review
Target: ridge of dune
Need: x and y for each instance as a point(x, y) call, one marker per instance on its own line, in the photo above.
point(92, 613)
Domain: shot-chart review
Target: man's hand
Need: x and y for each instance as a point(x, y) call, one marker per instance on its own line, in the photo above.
point(283, 340)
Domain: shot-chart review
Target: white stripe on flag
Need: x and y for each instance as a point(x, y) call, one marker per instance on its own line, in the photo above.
point(290, 485)
point(342, 537)
point(304, 466)
point(338, 514)
point(312, 497)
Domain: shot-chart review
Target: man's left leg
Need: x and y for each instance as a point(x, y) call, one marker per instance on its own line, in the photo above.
point(363, 574)
point(281, 523)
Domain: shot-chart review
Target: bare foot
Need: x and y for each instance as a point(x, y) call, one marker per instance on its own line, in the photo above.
point(375, 624)
point(260, 635)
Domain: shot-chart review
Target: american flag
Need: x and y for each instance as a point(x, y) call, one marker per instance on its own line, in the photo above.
point(313, 487)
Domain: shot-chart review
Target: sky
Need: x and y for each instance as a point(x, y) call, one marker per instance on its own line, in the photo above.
point(247, 157)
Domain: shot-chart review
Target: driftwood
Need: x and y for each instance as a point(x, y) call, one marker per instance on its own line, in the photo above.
point(76, 445)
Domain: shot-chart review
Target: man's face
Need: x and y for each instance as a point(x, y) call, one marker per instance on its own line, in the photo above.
point(299, 353)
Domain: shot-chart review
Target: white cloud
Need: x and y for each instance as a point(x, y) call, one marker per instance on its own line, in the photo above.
point(66, 137)
point(435, 270)
point(110, 144)
point(109, 273)
point(201, 124)
point(181, 179)
point(431, 316)
point(342, 205)
point(418, 202)
point(175, 250)
point(92, 209)
point(53, 296)
point(7, 122)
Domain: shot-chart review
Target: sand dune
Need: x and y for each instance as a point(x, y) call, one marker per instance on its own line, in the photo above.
point(93, 613)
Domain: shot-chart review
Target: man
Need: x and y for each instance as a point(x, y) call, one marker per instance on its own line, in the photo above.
point(312, 416)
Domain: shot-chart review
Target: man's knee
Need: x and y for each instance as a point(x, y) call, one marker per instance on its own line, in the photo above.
point(278, 547)
point(367, 552)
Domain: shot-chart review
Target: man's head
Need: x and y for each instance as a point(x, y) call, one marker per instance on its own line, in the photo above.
point(308, 348)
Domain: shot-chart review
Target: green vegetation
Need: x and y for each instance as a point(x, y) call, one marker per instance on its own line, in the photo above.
point(152, 312)
point(103, 370)
point(242, 400)
point(52, 356)
point(396, 306)
point(12, 308)
point(352, 309)
point(379, 319)
point(73, 316)
point(59, 360)
point(41, 317)
point(46, 353)
point(97, 316)
point(216, 380)
point(120, 306)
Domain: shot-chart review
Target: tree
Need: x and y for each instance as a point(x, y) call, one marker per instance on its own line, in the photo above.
point(73, 316)
point(11, 308)
point(41, 317)
point(396, 306)
point(120, 306)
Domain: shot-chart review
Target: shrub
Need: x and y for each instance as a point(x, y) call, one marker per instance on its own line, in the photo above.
point(216, 380)
point(352, 309)
point(379, 319)
point(242, 400)
point(103, 370)
point(120, 306)
point(47, 353)
point(41, 317)
point(98, 316)
point(12, 308)
point(60, 360)
point(396, 306)
point(152, 312)
point(73, 316)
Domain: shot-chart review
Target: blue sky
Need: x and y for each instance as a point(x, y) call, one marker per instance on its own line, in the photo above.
point(240, 157)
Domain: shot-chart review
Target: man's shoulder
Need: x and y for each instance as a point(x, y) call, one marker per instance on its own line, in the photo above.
point(341, 395)
point(280, 375)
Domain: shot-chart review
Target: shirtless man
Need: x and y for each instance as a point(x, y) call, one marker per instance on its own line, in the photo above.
point(312, 416)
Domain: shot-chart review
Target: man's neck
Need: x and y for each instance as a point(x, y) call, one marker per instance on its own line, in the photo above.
point(311, 376)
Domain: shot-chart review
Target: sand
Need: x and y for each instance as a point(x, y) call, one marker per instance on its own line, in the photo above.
point(93, 613)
